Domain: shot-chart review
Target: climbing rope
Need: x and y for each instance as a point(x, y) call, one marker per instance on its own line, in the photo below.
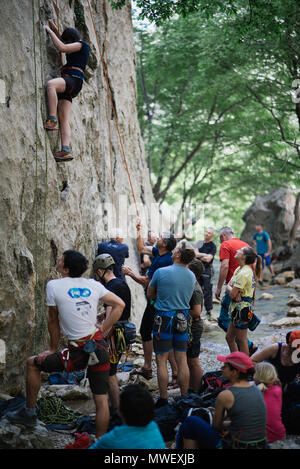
point(57, 20)
point(51, 411)
point(39, 264)
point(104, 68)
point(113, 108)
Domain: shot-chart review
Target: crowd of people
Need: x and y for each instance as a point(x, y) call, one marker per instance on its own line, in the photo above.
point(177, 280)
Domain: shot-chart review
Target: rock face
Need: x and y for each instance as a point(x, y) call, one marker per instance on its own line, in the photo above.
point(47, 207)
point(276, 212)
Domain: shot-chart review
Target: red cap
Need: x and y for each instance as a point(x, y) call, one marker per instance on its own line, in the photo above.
point(295, 335)
point(238, 360)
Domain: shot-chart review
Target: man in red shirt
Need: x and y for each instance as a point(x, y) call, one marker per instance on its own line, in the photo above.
point(228, 249)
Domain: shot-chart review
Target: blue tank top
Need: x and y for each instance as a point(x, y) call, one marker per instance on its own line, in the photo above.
point(77, 59)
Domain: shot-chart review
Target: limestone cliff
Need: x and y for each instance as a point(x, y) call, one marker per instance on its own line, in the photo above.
point(47, 207)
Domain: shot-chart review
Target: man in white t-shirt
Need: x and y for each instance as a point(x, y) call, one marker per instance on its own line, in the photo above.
point(73, 302)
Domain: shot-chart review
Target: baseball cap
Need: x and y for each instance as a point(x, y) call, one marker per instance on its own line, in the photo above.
point(102, 262)
point(238, 360)
point(294, 335)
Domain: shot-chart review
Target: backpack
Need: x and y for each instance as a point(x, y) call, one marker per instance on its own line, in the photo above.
point(167, 418)
point(213, 381)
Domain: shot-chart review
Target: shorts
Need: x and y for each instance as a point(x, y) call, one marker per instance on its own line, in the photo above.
point(194, 343)
point(73, 88)
point(224, 318)
point(147, 322)
point(170, 331)
point(265, 259)
point(97, 374)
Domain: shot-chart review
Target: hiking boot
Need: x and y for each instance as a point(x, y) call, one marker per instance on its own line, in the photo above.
point(22, 417)
point(161, 403)
point(63, 156)
point(50, 125)
point(147, 374)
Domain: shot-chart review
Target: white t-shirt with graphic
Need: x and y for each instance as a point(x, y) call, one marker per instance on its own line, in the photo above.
point(77, 302)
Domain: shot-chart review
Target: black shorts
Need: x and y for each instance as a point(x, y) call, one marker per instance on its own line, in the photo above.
point(73, 88)
point(194, 343)
point(97, 375)
point(147, 321)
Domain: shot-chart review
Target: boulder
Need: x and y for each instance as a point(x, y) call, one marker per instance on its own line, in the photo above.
point(295, 284)
point(279, 280)
point(289, 275)
point(14, 436)
point(294, 301)
point(266, 296)
point(66, 392)
point(287, 322)
point(294, 312)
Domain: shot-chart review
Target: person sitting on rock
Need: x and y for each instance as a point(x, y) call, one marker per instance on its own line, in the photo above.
point(139, 431)
point(267, 381)
point(73, 302)
point(61, 91)
point(284, 356)
point(239, 420)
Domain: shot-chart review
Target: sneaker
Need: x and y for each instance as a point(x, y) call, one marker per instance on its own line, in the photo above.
point(22, 417)
point(260, 282)
point(63, 156)
point(50, 125)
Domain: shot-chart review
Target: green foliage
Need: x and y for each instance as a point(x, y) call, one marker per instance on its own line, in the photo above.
point(215, 104)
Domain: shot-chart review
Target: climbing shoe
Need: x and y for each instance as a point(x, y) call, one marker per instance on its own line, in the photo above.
point(63, 156)
point(50, 125)
point(23, 417)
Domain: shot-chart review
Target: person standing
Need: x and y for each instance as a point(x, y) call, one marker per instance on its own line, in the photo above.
point(172, 288)
point(103, 267)
point(196, 330)
point(229, 246)
point(241, 290)
point(263, 245)
point(73, 302)
point(206, 254)
point(162, 257)
point(117, 249)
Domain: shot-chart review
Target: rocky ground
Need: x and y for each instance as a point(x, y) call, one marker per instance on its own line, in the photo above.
point(277, 305)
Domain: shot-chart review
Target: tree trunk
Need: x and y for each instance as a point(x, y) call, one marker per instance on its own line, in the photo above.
point(293, 233)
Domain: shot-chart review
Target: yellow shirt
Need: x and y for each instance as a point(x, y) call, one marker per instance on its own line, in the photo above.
point(243, 279)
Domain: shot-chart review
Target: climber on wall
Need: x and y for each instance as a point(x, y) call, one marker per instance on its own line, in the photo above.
point(60, 91)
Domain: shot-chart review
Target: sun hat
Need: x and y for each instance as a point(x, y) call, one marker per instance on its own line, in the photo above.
point(238, 360)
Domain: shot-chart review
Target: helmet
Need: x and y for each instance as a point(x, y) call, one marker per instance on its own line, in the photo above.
point(102, 262)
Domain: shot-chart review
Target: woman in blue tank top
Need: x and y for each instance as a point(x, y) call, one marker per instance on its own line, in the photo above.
point(61, 91)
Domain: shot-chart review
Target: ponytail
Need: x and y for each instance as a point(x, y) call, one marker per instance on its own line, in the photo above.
point(258, 267)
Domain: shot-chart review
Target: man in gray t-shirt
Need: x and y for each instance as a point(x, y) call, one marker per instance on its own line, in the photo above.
point(172, 288)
